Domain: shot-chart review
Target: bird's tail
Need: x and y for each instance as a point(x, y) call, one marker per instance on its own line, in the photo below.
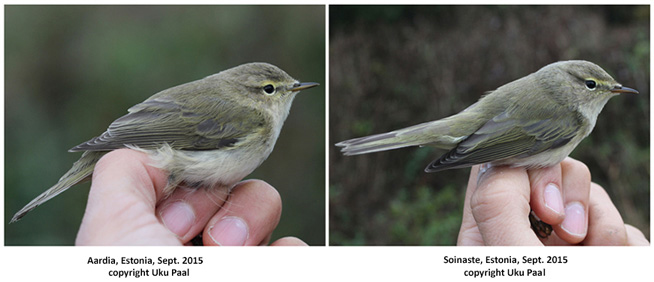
point(434, 133)
point(81, 171)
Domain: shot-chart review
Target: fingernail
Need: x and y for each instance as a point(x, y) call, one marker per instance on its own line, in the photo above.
point(484, 167)
point(575, 219)
point(553, 199)
point(229, 231)
point(482, 170)
point(178, 217)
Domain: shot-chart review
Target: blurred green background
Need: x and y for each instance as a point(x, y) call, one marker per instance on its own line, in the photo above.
point(71, 70)
point(396, 66)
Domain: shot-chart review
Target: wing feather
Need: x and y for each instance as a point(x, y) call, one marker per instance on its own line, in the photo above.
point(503, 137)
point(161, 120)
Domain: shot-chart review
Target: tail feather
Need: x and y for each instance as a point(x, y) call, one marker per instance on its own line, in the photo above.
point(370, 144)
point(80, 172)
point(434, 133)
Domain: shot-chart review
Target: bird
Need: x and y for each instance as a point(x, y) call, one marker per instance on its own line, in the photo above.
point(535, 121)
point(209, 132)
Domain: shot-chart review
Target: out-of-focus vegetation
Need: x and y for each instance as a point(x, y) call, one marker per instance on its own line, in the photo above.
point(71, 70)
point(396, 66)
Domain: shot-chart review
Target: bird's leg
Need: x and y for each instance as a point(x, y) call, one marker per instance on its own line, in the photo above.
point(542, 229)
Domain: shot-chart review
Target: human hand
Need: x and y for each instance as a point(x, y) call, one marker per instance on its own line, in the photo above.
point(126, 207)
point(499, 199)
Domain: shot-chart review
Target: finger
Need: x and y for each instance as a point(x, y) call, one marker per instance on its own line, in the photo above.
point(605, 225)
point(635, 237)
point(500, 206)
point(118, 205)
point(546, 198)
point(247, 218)
point(187, 211)
point(576, 190)
point(289, 241)
point(469, 233)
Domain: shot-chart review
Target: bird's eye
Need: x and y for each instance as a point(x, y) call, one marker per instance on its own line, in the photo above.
point(591, 84)
point(269, 89)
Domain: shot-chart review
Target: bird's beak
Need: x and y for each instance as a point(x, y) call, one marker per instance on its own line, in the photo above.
point(621, 89)
point(303, 85)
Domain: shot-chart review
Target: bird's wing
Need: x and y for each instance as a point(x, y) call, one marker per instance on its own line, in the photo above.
point(504, 137)
point(162, 120)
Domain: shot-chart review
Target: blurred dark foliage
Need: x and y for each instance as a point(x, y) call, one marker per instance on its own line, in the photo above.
point(396, 66)
point(71, 70)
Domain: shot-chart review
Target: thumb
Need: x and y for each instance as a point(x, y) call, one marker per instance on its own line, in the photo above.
point(122, 199)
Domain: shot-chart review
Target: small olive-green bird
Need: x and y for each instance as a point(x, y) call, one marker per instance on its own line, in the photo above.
point(532, 122)
point(213, 131)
